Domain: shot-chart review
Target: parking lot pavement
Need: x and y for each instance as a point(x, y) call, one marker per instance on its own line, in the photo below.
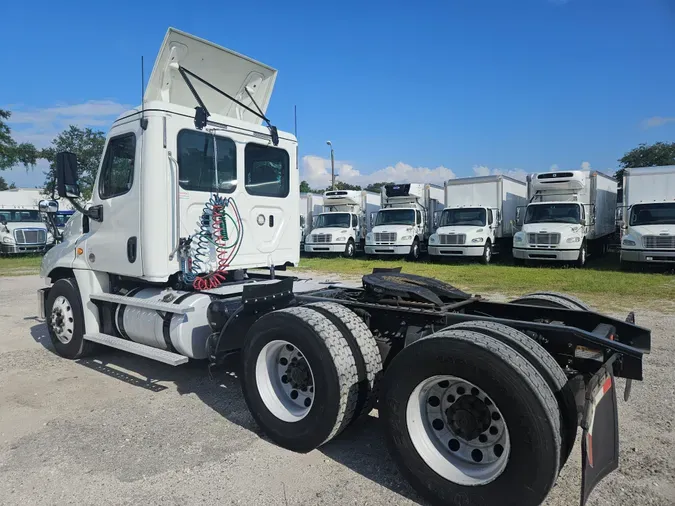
point(120, 429)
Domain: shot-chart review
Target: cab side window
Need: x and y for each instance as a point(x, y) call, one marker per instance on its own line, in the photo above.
point(419, 217)
point(490, 219)
point(117, 172)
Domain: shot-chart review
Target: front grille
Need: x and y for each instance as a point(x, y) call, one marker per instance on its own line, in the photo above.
point(385, 236)
point(452, 239)
point(543, 239)
point(30, 236)
point(659, 241)
point(322, 237)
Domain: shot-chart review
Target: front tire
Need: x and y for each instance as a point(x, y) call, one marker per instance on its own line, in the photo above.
point(415, 250)
point(487, 254)
point(350, 249)
point(300, 379)
point(514, 461)
point(65, 320)
point(581, 261)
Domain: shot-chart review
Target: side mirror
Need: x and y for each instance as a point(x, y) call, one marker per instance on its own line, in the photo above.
point(66, 175)
point(499, 218)
point(437, 218)
point(48, 206)
point(583, 221)
point(372, 218)
point(518, 214)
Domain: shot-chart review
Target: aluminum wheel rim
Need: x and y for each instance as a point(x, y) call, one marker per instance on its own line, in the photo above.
point(285, 381)
point(62, 320)
point(488, 253)
point(350, 249)
point(442, 434)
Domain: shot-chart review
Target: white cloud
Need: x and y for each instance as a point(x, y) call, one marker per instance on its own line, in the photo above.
point(585, 165)
point(553, 167)
point(657, 121)
point(482, 170)
point(316, 171)
point(41, 125)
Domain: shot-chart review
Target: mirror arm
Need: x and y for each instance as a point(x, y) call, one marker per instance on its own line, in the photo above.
point(94, 213)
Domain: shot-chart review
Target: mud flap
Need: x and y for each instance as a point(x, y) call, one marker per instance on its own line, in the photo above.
point(600, 442)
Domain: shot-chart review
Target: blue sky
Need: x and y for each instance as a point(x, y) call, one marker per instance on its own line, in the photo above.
point(404, 90)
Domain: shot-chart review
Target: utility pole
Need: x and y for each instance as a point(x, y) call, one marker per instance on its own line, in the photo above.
point(332, 165)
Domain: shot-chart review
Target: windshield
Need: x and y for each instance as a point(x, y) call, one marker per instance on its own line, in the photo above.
point(396, 217)
point(653, 214)
point(451, 217)
point(61, 219)
point(553, 213)
point(340, 220)
point(19, 215)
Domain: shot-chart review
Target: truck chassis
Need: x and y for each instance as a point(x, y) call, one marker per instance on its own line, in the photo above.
point(473, 395)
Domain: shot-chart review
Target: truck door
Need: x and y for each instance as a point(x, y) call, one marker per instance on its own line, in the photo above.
point(113, 244)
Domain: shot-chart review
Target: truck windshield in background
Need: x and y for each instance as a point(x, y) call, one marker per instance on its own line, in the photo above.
point(19, 215)
point(396, 217)
point(653, 214)
point(553, 213)
point(458, 217)
point(340, 220)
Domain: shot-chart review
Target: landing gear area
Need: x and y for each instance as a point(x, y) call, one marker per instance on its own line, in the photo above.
point(472, 394)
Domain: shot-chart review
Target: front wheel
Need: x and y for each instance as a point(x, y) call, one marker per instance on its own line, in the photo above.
point(467, 416)
point(350, 249)
point(65, 320)
point(415, 250)
point(487, 254)
point(581, 261)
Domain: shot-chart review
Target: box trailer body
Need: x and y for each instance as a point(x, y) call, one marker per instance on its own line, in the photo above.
point(647, 215)
point(167, 268)
point(343, 224)
point(22, 226)
point(478, 217)
point(570, 215)
point(404, 223)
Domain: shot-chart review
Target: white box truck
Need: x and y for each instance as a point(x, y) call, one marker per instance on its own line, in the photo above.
point(183, 268)
point(22, 227)
point(478, 218)
point(404, 223)
point(570, 215)
point(647, 216)
point(311, 204)
point(343, 224)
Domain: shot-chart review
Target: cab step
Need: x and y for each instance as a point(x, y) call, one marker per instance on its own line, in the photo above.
point(137, 349)
point(147, 304)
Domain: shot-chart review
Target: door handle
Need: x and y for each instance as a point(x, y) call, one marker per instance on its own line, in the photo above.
point(131, 249)
point(271, 220)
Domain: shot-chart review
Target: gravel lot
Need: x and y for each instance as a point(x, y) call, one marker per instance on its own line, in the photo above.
point(121, 429)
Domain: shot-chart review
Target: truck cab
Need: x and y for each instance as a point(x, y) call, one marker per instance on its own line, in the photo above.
point(22, 228)
point(341, 228)
point(465, 231)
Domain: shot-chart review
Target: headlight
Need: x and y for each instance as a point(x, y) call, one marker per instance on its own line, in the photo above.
point(574, 239)
point(433, 239)
point(8, 240)
point(341, 238)
point(406, 237)
point(518, 238)
point(369, 237)
point(478, 239)
point(628, 242)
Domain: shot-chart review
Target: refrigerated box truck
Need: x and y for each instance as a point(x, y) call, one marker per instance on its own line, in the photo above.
point(647, 216)
point(570, 215)
point(478, 218)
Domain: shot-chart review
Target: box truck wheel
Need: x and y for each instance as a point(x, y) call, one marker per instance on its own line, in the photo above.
point(350, 249)
point(467, 416)
point(487, 254)
point(581, 261)
point(65, 320)
point(415, 250)
point(300, 379)
point(545, 365)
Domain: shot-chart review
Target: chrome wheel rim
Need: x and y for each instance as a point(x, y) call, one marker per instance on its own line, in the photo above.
point(285, 381)
point(62, 319)
point(458, 430)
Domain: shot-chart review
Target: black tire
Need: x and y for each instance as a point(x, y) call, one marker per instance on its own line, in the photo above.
point(364, 349)
point(334, 371)
point(514, 386)
point(487, 254)
point(551, 299)
point(580, 304)
point(77, 347)
point(415, 252)
point(545, 365)
point(583, 252)
point(350, 249)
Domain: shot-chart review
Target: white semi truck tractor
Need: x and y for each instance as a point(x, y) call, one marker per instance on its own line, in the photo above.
point(647, 216)
point(175, 258)
point(404, 223)
point(477, 221)
point(570, 216)
point(343, 224)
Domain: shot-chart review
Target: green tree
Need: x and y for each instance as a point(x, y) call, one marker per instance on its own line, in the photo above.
point(375, 187)
point(659, 153)
point(304, 187)
point(88, 145)
point(12, 186)
point(12, 153)
point(341, 185)
point(3, 184)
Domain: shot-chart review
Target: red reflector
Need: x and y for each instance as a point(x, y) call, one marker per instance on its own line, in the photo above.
point(606, 385)
point(611, 337)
